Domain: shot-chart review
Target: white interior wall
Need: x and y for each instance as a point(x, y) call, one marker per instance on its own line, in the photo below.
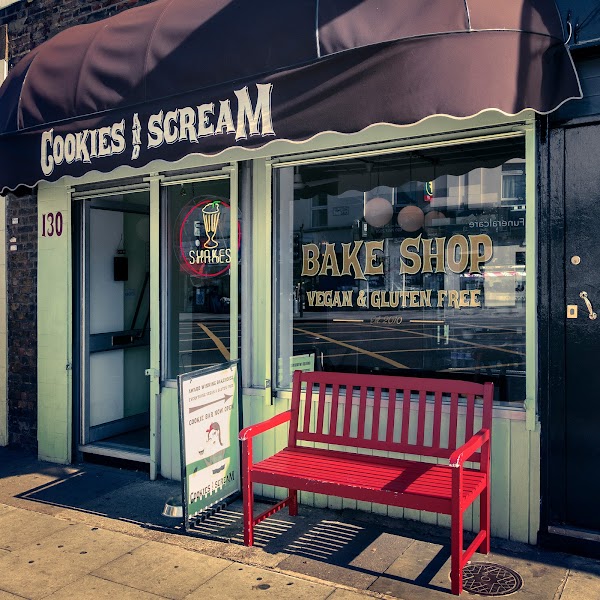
point(107, 369)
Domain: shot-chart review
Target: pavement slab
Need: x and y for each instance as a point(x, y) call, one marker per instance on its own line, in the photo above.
point(95, 588)
point(421, 573)
point(343, 552)
point(243, 582)
point(166, 571)
point(37, 570)
point(419, 562)
point(581, 586)
point(328, 572)
point(19, 528)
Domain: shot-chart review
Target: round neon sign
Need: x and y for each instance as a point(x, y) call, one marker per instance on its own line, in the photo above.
point(205, 237)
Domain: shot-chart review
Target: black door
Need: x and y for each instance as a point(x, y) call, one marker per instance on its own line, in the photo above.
point(574, 457)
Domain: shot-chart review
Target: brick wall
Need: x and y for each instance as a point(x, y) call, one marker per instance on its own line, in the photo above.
point(30, 23)
point(21, 306)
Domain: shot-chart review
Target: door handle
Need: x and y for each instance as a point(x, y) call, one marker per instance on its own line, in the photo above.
point(584, 295)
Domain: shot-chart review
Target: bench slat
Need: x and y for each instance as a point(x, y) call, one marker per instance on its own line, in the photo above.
point(437, 420)
point(452, 442)
point(362, 413)
point(296, 393)
point(389, 433)
point(469, 420)
point(333, 416)
point(321, 408)
point(376, 414)
point(308, 402)
point(347, 411)
point(405, 416)
point(421, 421)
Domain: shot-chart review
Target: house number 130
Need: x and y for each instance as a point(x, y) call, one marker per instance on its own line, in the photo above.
point(52, 224)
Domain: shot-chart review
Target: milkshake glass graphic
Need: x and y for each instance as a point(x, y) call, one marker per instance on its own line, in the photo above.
point(211, 213)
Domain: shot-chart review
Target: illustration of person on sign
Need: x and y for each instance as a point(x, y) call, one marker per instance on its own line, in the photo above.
point(214, 434)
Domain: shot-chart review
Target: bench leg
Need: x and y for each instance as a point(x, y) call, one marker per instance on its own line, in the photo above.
point(484, 520)
point(248, 516)
point(293, 494)
point(248, 501)
point(456, 573)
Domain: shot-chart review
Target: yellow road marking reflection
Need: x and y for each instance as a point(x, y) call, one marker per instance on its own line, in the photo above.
point(217, 342)
point(355, 348)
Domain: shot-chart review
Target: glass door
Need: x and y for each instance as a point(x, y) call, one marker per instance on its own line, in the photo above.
point(115, 329)
point(203, 235)
point(201, 240)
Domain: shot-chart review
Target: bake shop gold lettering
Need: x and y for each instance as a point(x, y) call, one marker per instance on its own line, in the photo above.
point(455, 254)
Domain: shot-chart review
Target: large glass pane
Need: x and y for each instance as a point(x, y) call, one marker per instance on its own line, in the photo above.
point(198, 275)
point(407, 263)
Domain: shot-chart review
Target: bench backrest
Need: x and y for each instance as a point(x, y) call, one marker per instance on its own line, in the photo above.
point(388, 413)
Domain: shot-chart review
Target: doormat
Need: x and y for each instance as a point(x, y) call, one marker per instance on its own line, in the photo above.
point(489, 579)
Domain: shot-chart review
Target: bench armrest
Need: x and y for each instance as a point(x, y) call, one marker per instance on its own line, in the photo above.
point(462, 454)
point(257, 428)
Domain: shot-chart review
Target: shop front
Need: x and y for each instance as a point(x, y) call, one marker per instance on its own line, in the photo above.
point(361, 200)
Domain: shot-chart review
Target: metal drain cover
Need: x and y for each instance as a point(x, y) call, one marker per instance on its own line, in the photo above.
point(489, 579)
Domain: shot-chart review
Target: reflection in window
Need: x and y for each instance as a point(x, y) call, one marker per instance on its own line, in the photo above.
point(198, 290)
point(407, 263)
point(513, 182)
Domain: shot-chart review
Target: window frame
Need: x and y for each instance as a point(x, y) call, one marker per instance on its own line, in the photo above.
point(525, 130)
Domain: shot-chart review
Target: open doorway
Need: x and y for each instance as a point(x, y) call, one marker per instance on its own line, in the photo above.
point(113, 263)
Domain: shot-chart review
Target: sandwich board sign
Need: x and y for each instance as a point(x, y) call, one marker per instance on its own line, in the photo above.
point(209, 420)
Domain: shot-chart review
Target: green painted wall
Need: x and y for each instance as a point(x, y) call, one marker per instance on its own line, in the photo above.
point(170, 452)
point(54, 329)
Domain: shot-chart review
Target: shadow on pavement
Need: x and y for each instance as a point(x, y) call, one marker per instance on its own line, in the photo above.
point(348, 547)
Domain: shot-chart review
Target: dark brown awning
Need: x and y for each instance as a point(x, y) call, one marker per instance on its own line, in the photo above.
point(181, 76)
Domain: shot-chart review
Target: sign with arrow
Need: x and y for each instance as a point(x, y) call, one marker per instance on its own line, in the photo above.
point(209, 417)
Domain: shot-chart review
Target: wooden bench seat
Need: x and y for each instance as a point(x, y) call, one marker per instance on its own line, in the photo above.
point(388, 481)
point(384, 413)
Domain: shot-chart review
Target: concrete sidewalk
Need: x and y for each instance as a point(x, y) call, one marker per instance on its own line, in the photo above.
point(91, 531)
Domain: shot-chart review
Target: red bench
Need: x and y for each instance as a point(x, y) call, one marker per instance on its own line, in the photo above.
point(381, 418)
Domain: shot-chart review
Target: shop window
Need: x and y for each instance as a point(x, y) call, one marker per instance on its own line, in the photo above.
point(198, 282)
point(417, 267)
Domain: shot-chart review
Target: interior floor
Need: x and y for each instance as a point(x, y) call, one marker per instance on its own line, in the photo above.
point(136, 440)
